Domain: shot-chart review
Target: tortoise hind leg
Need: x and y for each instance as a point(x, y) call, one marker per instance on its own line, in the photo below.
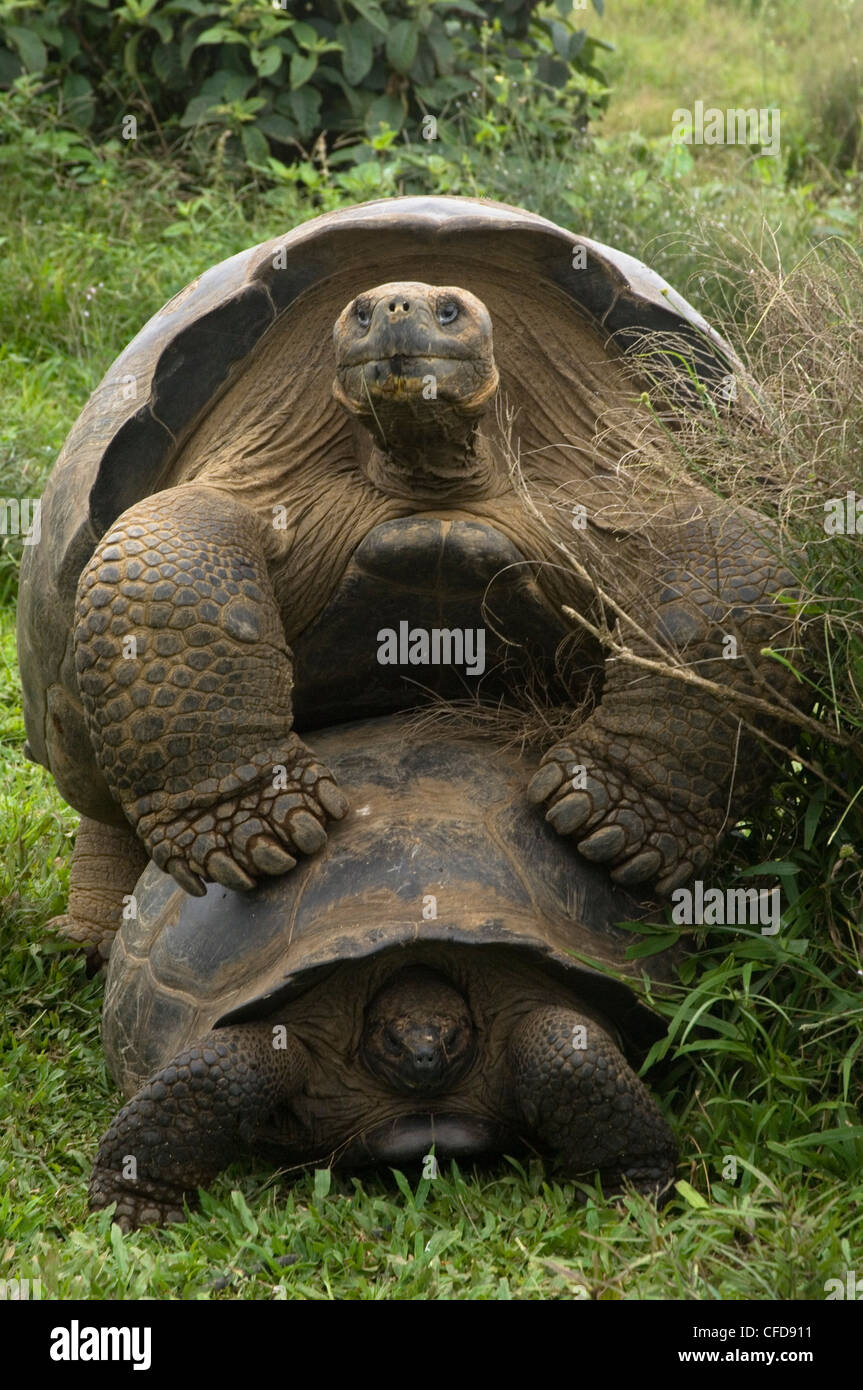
point(585, 1105)
point(107, 862)
point(193, 1118)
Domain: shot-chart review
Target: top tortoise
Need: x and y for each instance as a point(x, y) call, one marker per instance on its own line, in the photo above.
point(239, 548)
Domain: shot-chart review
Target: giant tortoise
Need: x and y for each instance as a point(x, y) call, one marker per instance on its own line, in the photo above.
point(435, 983)
point(262, 524)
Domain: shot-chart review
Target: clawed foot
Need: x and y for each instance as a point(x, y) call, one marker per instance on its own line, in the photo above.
point(96, 952)
point(651, 1178)
point(141, 1204)
point(264, 819)
point(615, 823)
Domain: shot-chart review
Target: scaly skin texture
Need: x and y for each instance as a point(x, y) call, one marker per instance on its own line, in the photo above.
point(585, 1105)
point(107, 862)
point(192, 726)
point(649, 781)
point(231, 1095)
point(192, 1119)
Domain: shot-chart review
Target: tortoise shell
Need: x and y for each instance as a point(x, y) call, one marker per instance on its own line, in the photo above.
point(440, 846)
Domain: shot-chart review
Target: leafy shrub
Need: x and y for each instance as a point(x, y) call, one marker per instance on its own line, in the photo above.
point(279, 72)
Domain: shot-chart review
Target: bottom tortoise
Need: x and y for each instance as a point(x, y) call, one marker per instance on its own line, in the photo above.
point(432, 981)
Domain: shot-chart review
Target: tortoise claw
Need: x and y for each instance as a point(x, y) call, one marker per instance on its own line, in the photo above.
point(333, 799)
point(567, 815)
point(222, 869)
point(637, 869)
point(307, 833)
point(270, 858)
point(544, 783)
point(188, 881)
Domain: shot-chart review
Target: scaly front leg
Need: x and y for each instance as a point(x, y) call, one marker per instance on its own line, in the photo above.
point(186, 681)
point(586, 1106)
point(194, 1117)
point(647, 783)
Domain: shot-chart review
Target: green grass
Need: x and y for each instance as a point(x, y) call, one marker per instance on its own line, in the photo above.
point(729, 53)
point(763, 1060)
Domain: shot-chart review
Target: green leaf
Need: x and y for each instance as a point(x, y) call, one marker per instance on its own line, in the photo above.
point(78, 98)
point(358, 54)
point(254, 143)
point(239, 1203)
point(403, 1185)
point(306, 107)
point(780, 867)
point(162, 26)
point(130, 51)
point(219, 33)
point(813, 815)
point(32, 50)
point(267, 60)
point(167, 65)
point(465, 7)
point(372, 13)
point(323, 1181)
point(402, 45)
point(652, 946)
point(560, 37)
point(576, 44)
point(118, 1245)
point(198, 110)
point(278, 128)
point(304, 35)
point(10, 67)
point(234, 86)
point(386, 110)
point(444, 53)
point(440, 1241)
point(689, 1195)
point(302, 67)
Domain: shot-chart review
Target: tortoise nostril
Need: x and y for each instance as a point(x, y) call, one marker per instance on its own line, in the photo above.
point(425, 1054)
point(394, 305)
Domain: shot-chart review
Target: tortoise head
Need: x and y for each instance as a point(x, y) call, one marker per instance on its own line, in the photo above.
point(419, 1035)
point(415, 365)
point(410, 348)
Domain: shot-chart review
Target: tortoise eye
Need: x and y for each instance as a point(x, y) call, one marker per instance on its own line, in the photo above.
point(364, 315)
point(447, 311)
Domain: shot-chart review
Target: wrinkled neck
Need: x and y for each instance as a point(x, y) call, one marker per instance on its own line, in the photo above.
point(435, 464)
